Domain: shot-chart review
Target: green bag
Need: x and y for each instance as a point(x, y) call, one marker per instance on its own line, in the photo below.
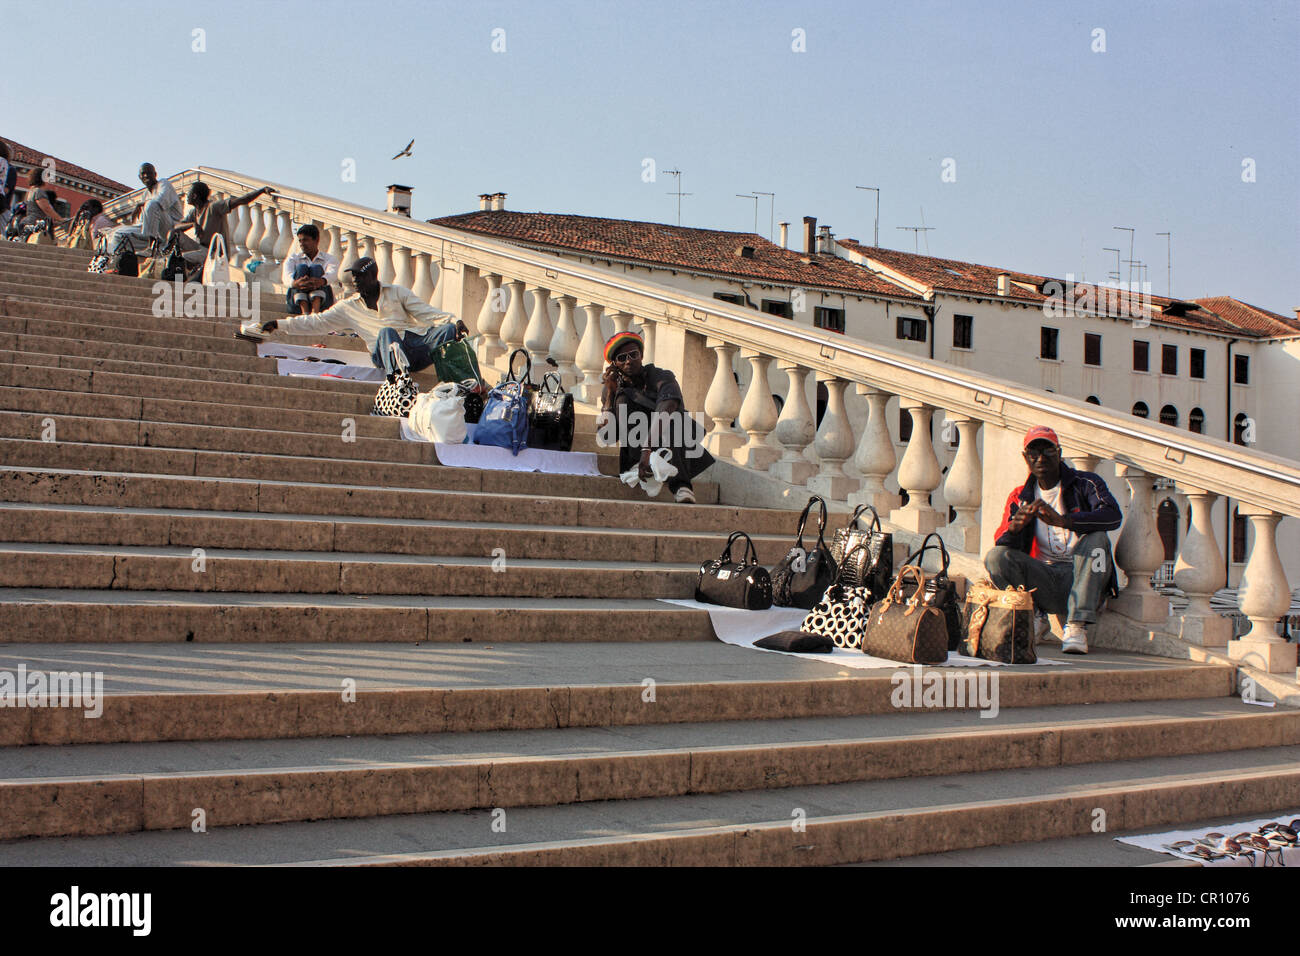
point(456, 362)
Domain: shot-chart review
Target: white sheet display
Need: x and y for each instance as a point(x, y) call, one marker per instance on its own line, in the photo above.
point(275, 349)
point(492, 458)
point(352, 373)
point(743, 628)
point(1160, 843)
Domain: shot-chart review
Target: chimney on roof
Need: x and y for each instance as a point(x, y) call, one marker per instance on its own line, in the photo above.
point(484, 201)
point(785, 238)
point(809, 232)
point(1004, 283)
point(824, 239)
point(498, 201)
point(399, 200)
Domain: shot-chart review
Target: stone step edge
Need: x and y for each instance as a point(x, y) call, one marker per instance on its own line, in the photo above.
point(861, 838)
point(263, 715)
point(101, 804)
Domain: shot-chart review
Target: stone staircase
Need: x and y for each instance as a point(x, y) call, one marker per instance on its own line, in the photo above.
point(309, 657)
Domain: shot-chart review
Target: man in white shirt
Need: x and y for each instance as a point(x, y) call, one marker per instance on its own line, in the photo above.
point(158, 212)
point(383, 316)
point(310, 274)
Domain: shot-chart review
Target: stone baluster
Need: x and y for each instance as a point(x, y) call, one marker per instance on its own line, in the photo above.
point(722, 403)
point(1139, 551)
point(963, 488)
point(794, 428)
point(490, 317)
point(1199, 572)
point(622, 321)
point(384, 259)
point(368, 248)
point(331, 241)
point(537, 334)
point(239, 237)
point(591, 355)
point(918, 474)
point(423, 283)
point(403, 273)
point(876, 457)
point(758, 416)
point(648, 334)
point(256, 229)
point(564, 343)
point(439, 284)
point(1084, 461)
point(286, 241)
point(271, 239)
point(349, 252)
point(834, 444)
point(1265, 597)
point(515, 324)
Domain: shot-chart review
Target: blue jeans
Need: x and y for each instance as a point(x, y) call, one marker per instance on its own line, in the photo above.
point(418, 346)
point(1073, 587)
point(293, 296)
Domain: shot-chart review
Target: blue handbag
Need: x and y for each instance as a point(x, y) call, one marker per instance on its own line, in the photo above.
point(504, 421)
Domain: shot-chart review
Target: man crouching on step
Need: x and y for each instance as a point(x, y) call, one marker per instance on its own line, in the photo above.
point(1053, 539)
point(382, 315)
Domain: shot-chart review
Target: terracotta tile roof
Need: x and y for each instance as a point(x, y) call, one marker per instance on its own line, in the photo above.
point(31, 157)
point(700, 250)
point(1250, 318)
point(951, 275)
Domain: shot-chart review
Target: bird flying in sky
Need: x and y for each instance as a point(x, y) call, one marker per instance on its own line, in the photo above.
point(406, 151)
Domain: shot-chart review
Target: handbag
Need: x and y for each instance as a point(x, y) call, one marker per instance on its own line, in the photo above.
point(504, 422)
point(940, 592)
point(906, 629)
point(999, 624)
point(79, 236)
point(216, 267)
point(551, 416)
point(803, 576)
point(841, 614)
point(153, 266)
point(440, 415)
point(396, 398)
point(872, 567)
point(455, 361)
point(471, 392)
point(743, 584)
point(121, 261)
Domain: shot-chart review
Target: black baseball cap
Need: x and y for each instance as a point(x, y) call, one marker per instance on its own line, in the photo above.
point(364, 264)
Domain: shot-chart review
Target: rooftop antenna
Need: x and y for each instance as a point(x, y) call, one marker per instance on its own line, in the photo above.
point(927, 238)
point(679, 194)
point(771, 226)
point(1113, 275)
point(1169, 263)
point(1131, 233)
point(1133, 263)
point(755, 198)
point(914, 230)
point(876, 233)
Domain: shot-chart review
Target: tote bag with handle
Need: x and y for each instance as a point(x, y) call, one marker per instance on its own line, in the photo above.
point(216, 268)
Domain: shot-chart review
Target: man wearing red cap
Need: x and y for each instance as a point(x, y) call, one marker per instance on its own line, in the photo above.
point(1053, 539)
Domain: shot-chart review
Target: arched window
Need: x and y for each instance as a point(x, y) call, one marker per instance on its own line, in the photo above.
point(1093, 400)
point(1169, 415)
point(1239, 428)
point(1196, 421)
point(1141, 410)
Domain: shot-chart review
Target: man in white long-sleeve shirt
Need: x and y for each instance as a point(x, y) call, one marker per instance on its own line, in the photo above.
point(159, 211)
point(383, 315)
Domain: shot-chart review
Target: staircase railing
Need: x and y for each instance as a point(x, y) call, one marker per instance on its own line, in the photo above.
point(490, 281)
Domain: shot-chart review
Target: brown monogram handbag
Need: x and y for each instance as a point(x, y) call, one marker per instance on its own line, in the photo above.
point(903, 628)
point(998, 624)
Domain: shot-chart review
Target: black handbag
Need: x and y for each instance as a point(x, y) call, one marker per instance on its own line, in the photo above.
point(803, 576)
point(121, 261)
point(904, 628)
point(175, 265)
point(873, 565)
point(741, 584)
point(940, 592)
point(550, 416)
point(472, 392)
point(841, 614)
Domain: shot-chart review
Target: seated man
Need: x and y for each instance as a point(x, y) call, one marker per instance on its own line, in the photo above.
point(383, 315)
point(1053, 539)
point(207, 219)
point(158, 212)
point(309, 273)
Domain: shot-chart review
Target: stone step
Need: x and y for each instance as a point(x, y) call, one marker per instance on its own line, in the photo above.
point(140, 568)
point(155, 359)
point(455, 672)
point(498, 498)
point(103, 789)
point(198, 339)
point(158, 527)
point(837, 823)
point(145, 305)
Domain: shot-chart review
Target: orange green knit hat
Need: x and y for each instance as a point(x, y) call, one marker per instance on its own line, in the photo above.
point(618, 340)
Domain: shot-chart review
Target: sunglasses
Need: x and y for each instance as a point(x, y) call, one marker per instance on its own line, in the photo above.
point(1050, 452)
point(622, 358)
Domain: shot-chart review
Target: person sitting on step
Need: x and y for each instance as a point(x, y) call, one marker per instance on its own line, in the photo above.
point(644, 406)
point(1053, 540)
point(208, 218)
point(382, 315)
point(309, 274)
point(157, 213)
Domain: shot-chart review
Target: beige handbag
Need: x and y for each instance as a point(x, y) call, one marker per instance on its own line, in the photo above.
point(998, 624)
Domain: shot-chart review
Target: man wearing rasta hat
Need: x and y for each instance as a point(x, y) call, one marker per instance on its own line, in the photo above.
point(651, 414)
point(1053, 539)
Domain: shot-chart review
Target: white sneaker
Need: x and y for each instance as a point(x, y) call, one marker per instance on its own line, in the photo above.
point(1074, 640)
point(684, 496)
point(1042, 627)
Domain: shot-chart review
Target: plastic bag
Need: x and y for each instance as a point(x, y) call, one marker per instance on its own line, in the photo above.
point(661, 469)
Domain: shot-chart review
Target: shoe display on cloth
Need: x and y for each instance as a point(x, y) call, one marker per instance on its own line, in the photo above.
point(684, 496)
point(1042, 627)
point(1075, 639)
point(251, 331)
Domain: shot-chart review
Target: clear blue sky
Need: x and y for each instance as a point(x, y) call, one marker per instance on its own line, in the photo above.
point(1054, 144)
